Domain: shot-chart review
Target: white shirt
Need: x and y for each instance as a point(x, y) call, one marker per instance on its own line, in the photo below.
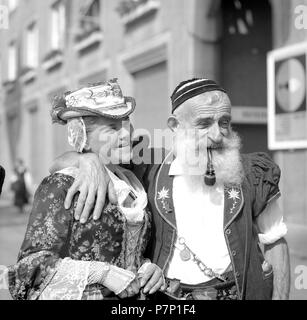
point(199, 213)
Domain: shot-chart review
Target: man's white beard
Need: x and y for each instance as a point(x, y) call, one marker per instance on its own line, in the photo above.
point(226, 161)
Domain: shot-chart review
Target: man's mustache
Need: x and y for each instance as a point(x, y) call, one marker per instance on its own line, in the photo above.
point(216, 146)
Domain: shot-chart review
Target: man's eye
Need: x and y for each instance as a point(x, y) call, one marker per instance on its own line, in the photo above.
point(224, 123)
point(204, 125)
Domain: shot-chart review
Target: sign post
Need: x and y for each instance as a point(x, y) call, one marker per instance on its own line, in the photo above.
point(287, 110)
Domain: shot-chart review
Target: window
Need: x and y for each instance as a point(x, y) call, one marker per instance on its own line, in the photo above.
point(128, 6)
point(54, 57)
point(133, 10)
point(12, 4)
point(58, 25)
point(89, 18)
point(89, 36)
point(35, 142)
point(12, 62)
point(32, 46)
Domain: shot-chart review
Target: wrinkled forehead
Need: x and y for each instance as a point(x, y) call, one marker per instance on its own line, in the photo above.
point(207, 105)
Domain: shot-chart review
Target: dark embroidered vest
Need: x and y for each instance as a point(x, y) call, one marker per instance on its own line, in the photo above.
point(240, 234)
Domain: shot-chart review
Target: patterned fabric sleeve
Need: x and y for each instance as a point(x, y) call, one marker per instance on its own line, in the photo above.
point(74, 278)
point(45, 241)
point(265, 175)
point(68, 282)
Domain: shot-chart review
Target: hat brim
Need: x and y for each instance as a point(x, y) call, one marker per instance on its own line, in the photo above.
point(127, 108)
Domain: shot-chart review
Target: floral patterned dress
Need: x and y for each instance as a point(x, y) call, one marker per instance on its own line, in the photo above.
point(53, 236)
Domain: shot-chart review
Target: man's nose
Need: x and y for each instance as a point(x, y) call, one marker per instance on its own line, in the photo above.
point(214, 134)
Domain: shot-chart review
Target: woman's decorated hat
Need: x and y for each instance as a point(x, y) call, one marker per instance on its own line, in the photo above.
point(104, 99)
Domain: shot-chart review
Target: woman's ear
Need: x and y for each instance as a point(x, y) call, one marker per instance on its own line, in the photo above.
point(173, 123)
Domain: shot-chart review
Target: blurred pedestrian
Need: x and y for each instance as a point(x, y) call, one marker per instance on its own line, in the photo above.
point(21, 185)
point(2, 176)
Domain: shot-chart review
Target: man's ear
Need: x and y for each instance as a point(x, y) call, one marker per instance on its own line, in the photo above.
point(173, 123)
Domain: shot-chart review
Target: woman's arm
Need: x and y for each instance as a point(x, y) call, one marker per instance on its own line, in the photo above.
point(45, 238)
point(42, 271)
point(74, 276)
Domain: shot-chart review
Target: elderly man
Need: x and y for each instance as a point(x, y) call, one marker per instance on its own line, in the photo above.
point(218, 229)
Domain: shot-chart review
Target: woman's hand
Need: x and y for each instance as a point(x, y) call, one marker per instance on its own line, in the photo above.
point(93, 183)
point(152, 279)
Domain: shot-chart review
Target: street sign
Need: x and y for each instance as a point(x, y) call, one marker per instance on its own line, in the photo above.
point(287, 111)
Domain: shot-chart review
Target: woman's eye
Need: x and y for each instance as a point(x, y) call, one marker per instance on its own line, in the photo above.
point(112, 127)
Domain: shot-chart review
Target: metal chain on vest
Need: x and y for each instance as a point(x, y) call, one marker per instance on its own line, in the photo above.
point(203, 268)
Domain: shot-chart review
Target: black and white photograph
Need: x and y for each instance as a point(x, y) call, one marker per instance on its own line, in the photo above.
point(153, 150)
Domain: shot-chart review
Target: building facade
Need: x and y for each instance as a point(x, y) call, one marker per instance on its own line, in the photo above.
point(53, 46)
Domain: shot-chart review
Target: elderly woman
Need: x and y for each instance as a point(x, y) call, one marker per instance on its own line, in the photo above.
point(61, 258)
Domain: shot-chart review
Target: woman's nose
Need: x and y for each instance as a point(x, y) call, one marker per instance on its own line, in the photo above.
point(124, 132)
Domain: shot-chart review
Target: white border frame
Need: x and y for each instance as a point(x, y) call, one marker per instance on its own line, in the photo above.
point(272, 58)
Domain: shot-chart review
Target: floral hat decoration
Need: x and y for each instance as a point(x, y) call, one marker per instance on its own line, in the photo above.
point(104, 99)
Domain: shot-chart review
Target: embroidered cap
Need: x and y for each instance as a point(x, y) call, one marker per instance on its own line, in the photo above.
point(103, 99)
point(191, 88)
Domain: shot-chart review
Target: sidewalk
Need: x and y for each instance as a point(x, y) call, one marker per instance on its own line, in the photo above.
point(13, 226)
point(5, 201)
point(12, 230)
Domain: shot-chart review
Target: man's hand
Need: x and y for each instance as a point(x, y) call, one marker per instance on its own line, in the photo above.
point(152, 279)
point(132, 290)
point(93, 183)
